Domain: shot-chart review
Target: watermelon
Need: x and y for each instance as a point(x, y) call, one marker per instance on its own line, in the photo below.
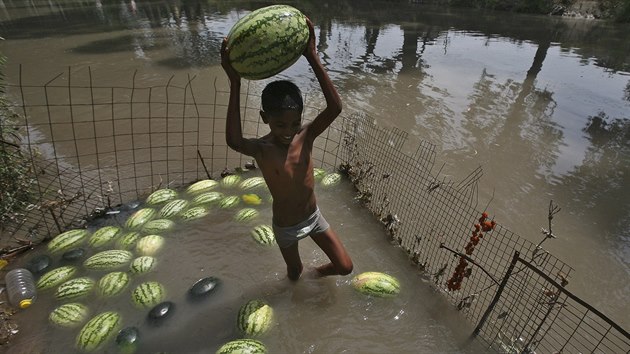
point(140, 217)
point(103, 236)
point(143, 264)
point(128, 240)
point(98, 330)
point(108, 260)
point(255, 318)
point(229, 202)
point(376, 284)
point(128, 339)
point(252, 183)
point(113, 283)
point(194, 213)
point(251, 199)
point(75, 288)
point(263, 234)
point(67, 240)
point(149, 294)
point(173, 208)
point(246, 214)
point(331, 179)
point(243, 346)
point(158, 226)
point(39, 264)
point(203, 287)
point(318, 173)
point(69, 315)
point(201, 187)
point(231, 181)
point(207, 198)
point(55, 277)
point(161, 196)
point(149, 245)
point(267, 41)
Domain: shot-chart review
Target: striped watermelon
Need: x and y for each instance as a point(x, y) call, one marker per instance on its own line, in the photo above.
point(231, 181)
point(376, 284)
point(149, 294)
point(263, 234)
point(331, 179)
point(55, 277)
point(229, 202)
point(194, 213)
point(98, 330)
point(108, 260)
point(246, 214)
point(103, 236)
point(207, 198)
point(113, 283)
point(128, 240)
point(69, 315)
point(68, 240)
point(243, 346)
point(173, 208)
point(75, 288)
point(267, 41)
point(318, 173)
point(158, 226)
point(161, 196)
point(252, 183)
point(255, 318)
point(201, 187)
point(143, 264)
point(149, 245)
point(140, 217)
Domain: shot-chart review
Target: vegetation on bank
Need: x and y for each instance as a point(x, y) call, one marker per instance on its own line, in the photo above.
point(16, 179)
point(617, 10)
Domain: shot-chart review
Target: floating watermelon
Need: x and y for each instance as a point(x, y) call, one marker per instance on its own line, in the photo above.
point(376, 284)
point(267, 41)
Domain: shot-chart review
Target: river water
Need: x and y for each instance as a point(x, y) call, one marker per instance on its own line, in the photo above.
point(541, 103)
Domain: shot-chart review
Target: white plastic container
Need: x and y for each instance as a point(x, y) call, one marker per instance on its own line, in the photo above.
point(21, 288)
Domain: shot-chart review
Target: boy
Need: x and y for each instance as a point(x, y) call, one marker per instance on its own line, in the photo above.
point(284, 157)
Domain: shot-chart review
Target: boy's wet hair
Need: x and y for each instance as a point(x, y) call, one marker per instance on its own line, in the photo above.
point(279, 96)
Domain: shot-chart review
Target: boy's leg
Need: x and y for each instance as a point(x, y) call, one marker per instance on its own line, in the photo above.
point(340, 262)
point(291, 257)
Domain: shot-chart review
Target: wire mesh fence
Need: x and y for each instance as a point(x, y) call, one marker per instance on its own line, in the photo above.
point(95, 147)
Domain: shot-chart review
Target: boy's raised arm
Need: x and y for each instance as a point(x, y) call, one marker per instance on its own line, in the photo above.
point(333, 101)
point(233, 131)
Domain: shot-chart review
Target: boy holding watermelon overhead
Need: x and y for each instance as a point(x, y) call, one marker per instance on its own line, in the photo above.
point(284, 157)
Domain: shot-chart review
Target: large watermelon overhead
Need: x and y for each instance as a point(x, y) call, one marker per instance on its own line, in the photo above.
point(267, 41)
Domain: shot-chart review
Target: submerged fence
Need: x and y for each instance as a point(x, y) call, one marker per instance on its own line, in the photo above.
point(96, 147)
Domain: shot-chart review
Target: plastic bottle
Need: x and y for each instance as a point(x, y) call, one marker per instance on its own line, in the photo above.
point(20, 287)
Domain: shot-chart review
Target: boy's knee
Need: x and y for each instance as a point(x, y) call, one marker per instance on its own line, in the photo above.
point(345, 268)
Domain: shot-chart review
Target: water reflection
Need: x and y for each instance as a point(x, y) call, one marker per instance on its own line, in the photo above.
point(542, 103)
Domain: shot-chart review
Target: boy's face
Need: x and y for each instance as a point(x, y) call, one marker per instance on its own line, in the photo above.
point(283, 125)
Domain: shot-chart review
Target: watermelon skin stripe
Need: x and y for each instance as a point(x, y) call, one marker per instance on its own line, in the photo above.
point(259, 12)
point(98, 330)
point(259, 25)
point(254, 53)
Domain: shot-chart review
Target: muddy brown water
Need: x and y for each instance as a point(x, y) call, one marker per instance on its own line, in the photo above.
point(541, 103)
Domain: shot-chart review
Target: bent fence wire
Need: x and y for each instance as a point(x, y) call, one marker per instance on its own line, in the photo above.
point(96, 147)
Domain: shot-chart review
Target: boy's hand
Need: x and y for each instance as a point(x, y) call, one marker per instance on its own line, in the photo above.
point(310, 52)
point(225, 62)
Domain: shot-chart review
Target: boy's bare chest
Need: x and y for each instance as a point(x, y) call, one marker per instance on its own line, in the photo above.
point(291, 160)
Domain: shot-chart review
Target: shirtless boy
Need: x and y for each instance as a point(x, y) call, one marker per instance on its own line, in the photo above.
point(284, 157)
